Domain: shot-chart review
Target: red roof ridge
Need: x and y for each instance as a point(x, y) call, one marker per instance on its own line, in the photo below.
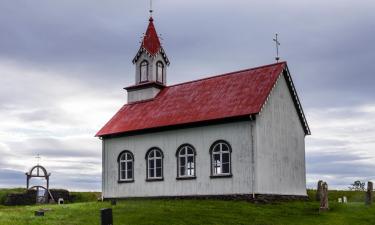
point(226, 74)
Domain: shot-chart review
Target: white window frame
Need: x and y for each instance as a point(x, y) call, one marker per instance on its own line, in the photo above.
point(161, 65)
point(214, 165)
point(143, 64)
point(186, 165)
point(154, 159)
point(128, 157)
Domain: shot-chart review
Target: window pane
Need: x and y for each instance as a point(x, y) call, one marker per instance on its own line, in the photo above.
point(130, 174)
point(151, 164)
point(225, 157)
point(182, 170)
point(122, 165)
point(160, 72)
point(130, 165)
point(122, 157)
point(151, 173)
point(182, 152)
point(217, 148)
point(190, 151)
point(144, 67)
point(191, 172)
point(151, 155)
point(158, 172)
point(157, 153)
point(216, 157)
point(226, 168)
point(122, 175)
point(217, 169)
point(158, 163)
point(190, 159)
point(225, 148)
point(129, 156)
point(182, 161)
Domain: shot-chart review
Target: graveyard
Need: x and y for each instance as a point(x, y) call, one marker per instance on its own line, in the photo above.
point(148, 211)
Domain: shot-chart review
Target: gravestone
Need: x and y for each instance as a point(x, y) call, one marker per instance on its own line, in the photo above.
point(369, 193)
point(318, 190)
point(106, 216)
point(339, 200)
point(113, 202)
point(39, 213)
point(345, 199)
point(60, 201)
point(324, 198)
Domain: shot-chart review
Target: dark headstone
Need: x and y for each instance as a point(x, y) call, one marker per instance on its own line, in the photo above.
point(369, 193)
point(318, 190)
point(324, 198)
point(39, 213)
point(113, 202)
point(106, 216)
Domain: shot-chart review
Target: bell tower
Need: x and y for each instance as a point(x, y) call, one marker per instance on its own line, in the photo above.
point(151, 64)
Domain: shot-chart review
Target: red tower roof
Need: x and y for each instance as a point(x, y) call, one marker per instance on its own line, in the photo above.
point(151, 40)
point(233, 95)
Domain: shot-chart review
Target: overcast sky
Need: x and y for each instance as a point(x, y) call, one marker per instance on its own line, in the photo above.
point(63, 65)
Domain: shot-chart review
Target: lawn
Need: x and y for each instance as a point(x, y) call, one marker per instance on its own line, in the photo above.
point(192, 212)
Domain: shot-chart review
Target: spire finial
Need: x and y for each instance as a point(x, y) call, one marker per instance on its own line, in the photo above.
point(276, 40)
point(151, 9)
point(38, 158)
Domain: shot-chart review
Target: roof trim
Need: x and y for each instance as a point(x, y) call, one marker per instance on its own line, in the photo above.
point(144, 85)
point(296, 100)
point(180, 126)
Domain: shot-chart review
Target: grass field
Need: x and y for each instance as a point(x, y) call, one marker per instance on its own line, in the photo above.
point(192, 212)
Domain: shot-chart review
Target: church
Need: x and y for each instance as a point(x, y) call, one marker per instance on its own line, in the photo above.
point(239, 134)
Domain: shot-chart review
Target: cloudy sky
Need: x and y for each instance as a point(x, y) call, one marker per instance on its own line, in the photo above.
point(63, 65)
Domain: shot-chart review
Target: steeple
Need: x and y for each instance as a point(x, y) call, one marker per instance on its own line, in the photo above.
point(151, 43)
point(150, 66)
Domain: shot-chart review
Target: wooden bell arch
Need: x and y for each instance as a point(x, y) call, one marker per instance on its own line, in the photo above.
point(39, 171)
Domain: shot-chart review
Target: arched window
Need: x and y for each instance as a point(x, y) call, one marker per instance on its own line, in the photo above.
point(144, 71)
point(185, 161)
point(126, 166)
point(154, 161)
point(159, 71)
point(221, 159)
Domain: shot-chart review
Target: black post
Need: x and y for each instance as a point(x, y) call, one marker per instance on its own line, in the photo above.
point(106, 216)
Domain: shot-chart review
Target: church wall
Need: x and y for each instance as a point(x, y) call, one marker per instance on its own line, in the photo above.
point(142, 94)
point(237, 134)
point(280, 145)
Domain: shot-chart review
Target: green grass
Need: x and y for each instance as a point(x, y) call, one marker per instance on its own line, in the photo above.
point(192, 212)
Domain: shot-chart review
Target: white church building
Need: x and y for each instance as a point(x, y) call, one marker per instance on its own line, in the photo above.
point(236, 134)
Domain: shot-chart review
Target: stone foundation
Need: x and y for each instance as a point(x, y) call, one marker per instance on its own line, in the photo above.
point(259, 198)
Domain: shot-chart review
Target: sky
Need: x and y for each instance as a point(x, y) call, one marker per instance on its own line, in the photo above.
point(63, 66)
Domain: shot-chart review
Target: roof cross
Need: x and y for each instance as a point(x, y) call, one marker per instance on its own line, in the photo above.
point(38, 158)
point(277, 43)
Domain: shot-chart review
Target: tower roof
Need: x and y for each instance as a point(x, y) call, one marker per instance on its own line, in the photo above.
point(151, 42)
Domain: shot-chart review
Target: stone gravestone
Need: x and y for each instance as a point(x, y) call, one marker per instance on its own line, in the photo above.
point(339, 200)
point(345, 199)
point(318, 190)
point(106, 216)
point(324, 198)
point(369, 193)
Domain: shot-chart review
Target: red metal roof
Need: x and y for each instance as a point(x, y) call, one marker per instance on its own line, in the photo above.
point(151, 40)
point(229, 95)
